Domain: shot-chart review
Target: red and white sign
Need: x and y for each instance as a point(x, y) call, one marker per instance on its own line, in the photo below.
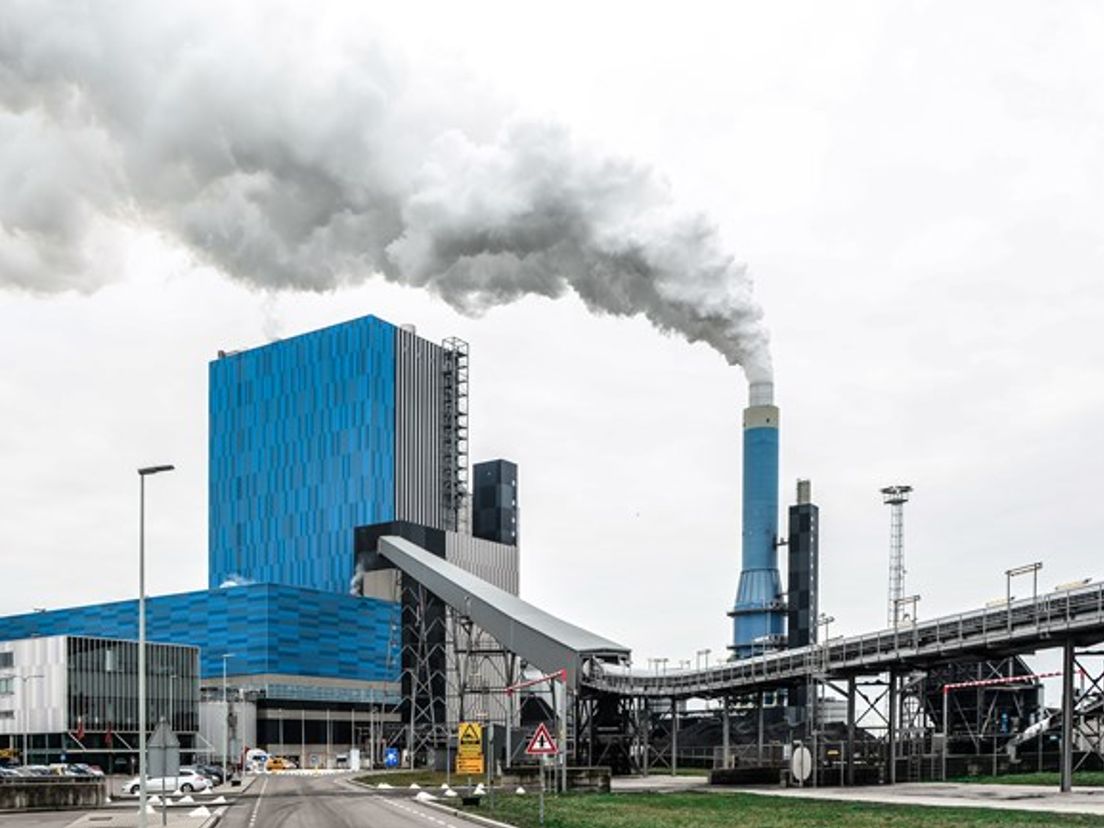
point(542, 743)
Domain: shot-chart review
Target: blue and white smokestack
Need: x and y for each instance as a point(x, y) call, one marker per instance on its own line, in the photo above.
point(758, 616)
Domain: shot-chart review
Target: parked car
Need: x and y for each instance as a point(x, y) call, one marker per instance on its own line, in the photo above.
point(8, 773)
point(212, 772)
point(187, 781)
point(81, 769)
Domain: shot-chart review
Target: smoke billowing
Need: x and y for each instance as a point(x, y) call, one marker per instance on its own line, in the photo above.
point(287, 164)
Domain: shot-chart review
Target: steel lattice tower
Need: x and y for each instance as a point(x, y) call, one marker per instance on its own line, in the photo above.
point(896, 497)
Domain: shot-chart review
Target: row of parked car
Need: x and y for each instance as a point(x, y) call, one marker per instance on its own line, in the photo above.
point(190, 779)
point(77, 769)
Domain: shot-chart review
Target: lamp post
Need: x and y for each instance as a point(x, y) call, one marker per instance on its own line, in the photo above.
point(226, 719)
point(143, 473)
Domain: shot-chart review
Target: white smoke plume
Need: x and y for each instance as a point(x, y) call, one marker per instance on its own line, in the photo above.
point(287, 166)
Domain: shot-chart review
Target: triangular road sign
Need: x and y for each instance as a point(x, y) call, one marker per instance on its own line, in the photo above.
point(542, 743)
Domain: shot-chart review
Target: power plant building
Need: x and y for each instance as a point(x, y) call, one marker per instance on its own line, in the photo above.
point(359, 424)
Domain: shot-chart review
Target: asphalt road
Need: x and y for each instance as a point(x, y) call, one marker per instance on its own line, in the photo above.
point(286, 801)
point(46, 819)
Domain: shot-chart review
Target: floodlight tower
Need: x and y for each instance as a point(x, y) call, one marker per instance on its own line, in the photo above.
point(896, 497)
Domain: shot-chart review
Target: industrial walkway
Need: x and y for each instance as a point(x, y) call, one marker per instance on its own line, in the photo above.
point(1075, 616)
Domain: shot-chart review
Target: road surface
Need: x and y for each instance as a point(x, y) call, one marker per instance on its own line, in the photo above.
point(293, 801)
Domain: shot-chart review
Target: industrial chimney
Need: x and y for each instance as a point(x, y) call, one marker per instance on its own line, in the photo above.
point(759, 612)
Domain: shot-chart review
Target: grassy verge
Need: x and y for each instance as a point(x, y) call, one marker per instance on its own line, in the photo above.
point(402, 779)
point(705, 810)
point(1086, 778)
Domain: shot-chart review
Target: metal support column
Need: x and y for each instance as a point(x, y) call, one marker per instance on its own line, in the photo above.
point(1067, 717)
point(725, 731)
point(761, 728)
point(674, 737)
point(891, 730)
point(851, 730)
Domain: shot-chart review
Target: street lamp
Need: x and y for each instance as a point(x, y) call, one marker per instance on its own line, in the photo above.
point(226, 719)
point(143, 473)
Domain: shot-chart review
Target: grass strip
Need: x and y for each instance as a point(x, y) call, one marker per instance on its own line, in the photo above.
point(707, 810)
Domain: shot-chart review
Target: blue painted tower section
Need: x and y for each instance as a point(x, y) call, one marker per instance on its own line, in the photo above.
point(302, 449)
point(759, 613)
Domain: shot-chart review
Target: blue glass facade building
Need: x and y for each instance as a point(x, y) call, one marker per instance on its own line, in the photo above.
point(302, 449)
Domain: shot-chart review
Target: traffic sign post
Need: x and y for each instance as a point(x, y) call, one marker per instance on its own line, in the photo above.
point(163, 759)
point(542, 745)
point(469, 752)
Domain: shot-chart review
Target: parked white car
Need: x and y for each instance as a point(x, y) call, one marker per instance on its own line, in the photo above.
point(188, 781)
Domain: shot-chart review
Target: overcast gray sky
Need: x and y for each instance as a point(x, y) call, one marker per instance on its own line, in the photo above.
point(916, 190)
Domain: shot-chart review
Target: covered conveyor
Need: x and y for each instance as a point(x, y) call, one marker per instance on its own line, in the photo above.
point(537, 637)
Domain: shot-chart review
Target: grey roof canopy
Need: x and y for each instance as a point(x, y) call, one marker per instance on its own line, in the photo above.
point(538, 637)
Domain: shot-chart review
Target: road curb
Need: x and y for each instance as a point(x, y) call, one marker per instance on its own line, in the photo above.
point(457, 812)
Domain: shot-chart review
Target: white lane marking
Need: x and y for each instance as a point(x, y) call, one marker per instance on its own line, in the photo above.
point(420, 813)
point(257, 807)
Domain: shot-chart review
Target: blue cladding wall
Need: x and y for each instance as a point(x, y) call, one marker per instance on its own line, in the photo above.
point(269, 628)
point(757, 613)
point(302, 450)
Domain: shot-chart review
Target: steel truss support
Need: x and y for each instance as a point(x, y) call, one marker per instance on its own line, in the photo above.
point(1089, 721)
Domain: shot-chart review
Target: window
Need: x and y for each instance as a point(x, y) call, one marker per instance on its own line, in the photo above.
point(7, 685)
point(7, 714)
point(7, 659)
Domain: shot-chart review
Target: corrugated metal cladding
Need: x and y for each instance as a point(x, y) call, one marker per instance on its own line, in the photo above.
point(495, 563)
point(418, 430)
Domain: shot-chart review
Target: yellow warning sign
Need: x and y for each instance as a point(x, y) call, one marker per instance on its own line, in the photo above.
point(471, 734)
point(469, 755)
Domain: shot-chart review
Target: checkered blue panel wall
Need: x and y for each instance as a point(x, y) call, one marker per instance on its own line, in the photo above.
point(302, 450)
point(269, 628)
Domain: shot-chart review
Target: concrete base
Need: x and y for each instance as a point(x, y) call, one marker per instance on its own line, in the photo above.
point(595, 780)
point(52, 795)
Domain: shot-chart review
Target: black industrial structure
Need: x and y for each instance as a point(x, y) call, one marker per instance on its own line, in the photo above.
point(495, 501)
